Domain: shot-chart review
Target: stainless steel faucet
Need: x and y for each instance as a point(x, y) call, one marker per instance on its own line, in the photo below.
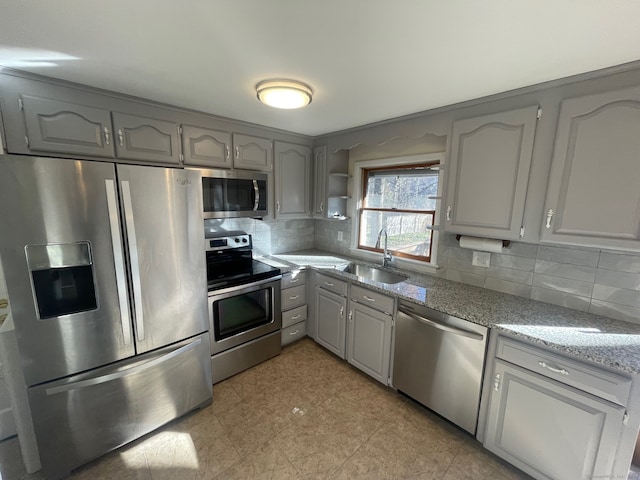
point(386, 255)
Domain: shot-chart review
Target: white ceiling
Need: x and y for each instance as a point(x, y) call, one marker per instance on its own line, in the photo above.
point(366, 60)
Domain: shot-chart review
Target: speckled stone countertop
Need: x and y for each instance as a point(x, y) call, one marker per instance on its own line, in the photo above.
point(612, 343)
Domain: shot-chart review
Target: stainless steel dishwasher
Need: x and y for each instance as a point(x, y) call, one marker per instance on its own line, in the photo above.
point(439, 360)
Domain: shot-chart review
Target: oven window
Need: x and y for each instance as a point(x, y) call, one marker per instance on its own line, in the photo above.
point(241, 312)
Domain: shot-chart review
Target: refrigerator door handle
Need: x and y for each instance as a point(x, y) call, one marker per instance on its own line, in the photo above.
point(133, 255)
point(118, 258)
point(122, 373)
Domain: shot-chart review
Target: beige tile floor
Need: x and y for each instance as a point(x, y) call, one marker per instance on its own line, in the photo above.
point(302, 415)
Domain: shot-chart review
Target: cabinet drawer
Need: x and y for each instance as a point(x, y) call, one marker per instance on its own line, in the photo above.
point(293, 297)
point(293, 333)
point(293, 279)
point(333, 284)
point(372, 299)
point(591, 379)
point(294, 316)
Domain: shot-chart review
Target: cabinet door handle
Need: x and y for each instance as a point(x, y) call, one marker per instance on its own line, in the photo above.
point(237, 153)
point(278, 206)
point(369, 298)
point(295, 317)
point(228, 150)
point(107, 135)
point(321, 207)
point(350, 316)
point(342, 312)
point(294, 333)
point(561, 371)
point(449, 210)
point(328, 284)
point(294, 297)
point(121, 137)
point(549, 218)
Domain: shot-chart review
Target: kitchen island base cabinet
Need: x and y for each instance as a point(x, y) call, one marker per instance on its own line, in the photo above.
point(330, 311)
point(369, 341)
point(548, 429)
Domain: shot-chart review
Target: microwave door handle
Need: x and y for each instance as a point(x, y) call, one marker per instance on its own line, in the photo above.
point(133, 254)
point(118, 259)
point(257, 195)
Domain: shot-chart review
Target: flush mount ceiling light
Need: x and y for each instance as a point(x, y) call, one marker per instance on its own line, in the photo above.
point(284, 93)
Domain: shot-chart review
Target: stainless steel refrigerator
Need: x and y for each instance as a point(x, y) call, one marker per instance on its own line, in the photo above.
point(106, 278)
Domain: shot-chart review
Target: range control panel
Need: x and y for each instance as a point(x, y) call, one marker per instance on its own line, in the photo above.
point(227, 240)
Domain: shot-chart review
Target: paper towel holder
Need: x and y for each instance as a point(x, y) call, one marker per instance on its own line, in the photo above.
point(505, 243)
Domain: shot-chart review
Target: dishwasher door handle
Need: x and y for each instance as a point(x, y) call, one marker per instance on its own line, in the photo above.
point(440, 326)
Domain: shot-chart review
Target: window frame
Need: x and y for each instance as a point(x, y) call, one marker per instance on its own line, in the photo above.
point(359, 190)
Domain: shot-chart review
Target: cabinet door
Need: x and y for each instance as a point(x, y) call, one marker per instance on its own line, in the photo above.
point(489, 172)
point(54, 126)
point(549, 430)
point(319, 181)
point(330, 321)
point(206, 147)
point(147, 139)
point(369, 341)
point(252, 153)
point(292, 181)
point(593, 197)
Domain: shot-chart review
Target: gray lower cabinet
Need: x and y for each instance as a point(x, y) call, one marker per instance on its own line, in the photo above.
point(488, 173)
point(593, 197)
point(292, 180)
point(252, 153)
point(205, 147)
point(369, 341)
point(330, 315)
point(294, 306)
point(65, 127)
point(146, 139)
point(544, 418)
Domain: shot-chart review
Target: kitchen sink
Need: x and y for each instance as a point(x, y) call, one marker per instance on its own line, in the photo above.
point(374, 273)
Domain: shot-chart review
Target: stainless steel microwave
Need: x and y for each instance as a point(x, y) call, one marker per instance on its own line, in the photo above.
point(234, 193)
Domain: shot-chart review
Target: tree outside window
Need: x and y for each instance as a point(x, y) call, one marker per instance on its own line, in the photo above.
point(402, 201)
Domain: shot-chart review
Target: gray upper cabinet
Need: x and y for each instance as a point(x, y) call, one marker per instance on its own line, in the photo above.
point(488, 173)
point(292, 180)
point(593, 198)
point(320, 181)
point(206, 147)
point(146, 139)
point(55, 126)
point(252, 153)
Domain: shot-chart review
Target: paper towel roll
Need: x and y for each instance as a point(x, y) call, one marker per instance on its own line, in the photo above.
point(481, 244)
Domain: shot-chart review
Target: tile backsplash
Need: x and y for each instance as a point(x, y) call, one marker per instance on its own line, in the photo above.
point(270, 237)
point(598, 281)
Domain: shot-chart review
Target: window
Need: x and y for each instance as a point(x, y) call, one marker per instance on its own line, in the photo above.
point(402, 200)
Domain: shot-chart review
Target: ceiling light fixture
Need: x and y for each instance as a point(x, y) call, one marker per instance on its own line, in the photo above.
point(284, 93)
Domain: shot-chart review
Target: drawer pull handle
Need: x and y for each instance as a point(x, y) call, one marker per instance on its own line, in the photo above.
point(294, 297)
point(294, 333)
point(561, 371)
point(294, 280)
point(295, 317)
point(328, 284)
point(369, 298)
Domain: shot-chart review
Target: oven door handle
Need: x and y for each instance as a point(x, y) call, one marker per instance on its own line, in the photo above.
point(257, 195)
point(245, 287)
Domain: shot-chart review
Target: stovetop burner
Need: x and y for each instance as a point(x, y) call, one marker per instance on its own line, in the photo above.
point(230, 261)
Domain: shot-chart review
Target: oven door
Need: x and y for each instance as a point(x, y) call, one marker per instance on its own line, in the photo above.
point(241, 313)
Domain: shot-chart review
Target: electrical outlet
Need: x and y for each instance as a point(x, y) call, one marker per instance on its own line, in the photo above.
point(481, 259)
point(340, 236)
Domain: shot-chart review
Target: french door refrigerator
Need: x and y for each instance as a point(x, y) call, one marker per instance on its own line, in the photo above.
point(106, 276)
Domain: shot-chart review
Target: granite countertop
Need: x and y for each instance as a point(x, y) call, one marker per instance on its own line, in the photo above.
point(612, 343)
